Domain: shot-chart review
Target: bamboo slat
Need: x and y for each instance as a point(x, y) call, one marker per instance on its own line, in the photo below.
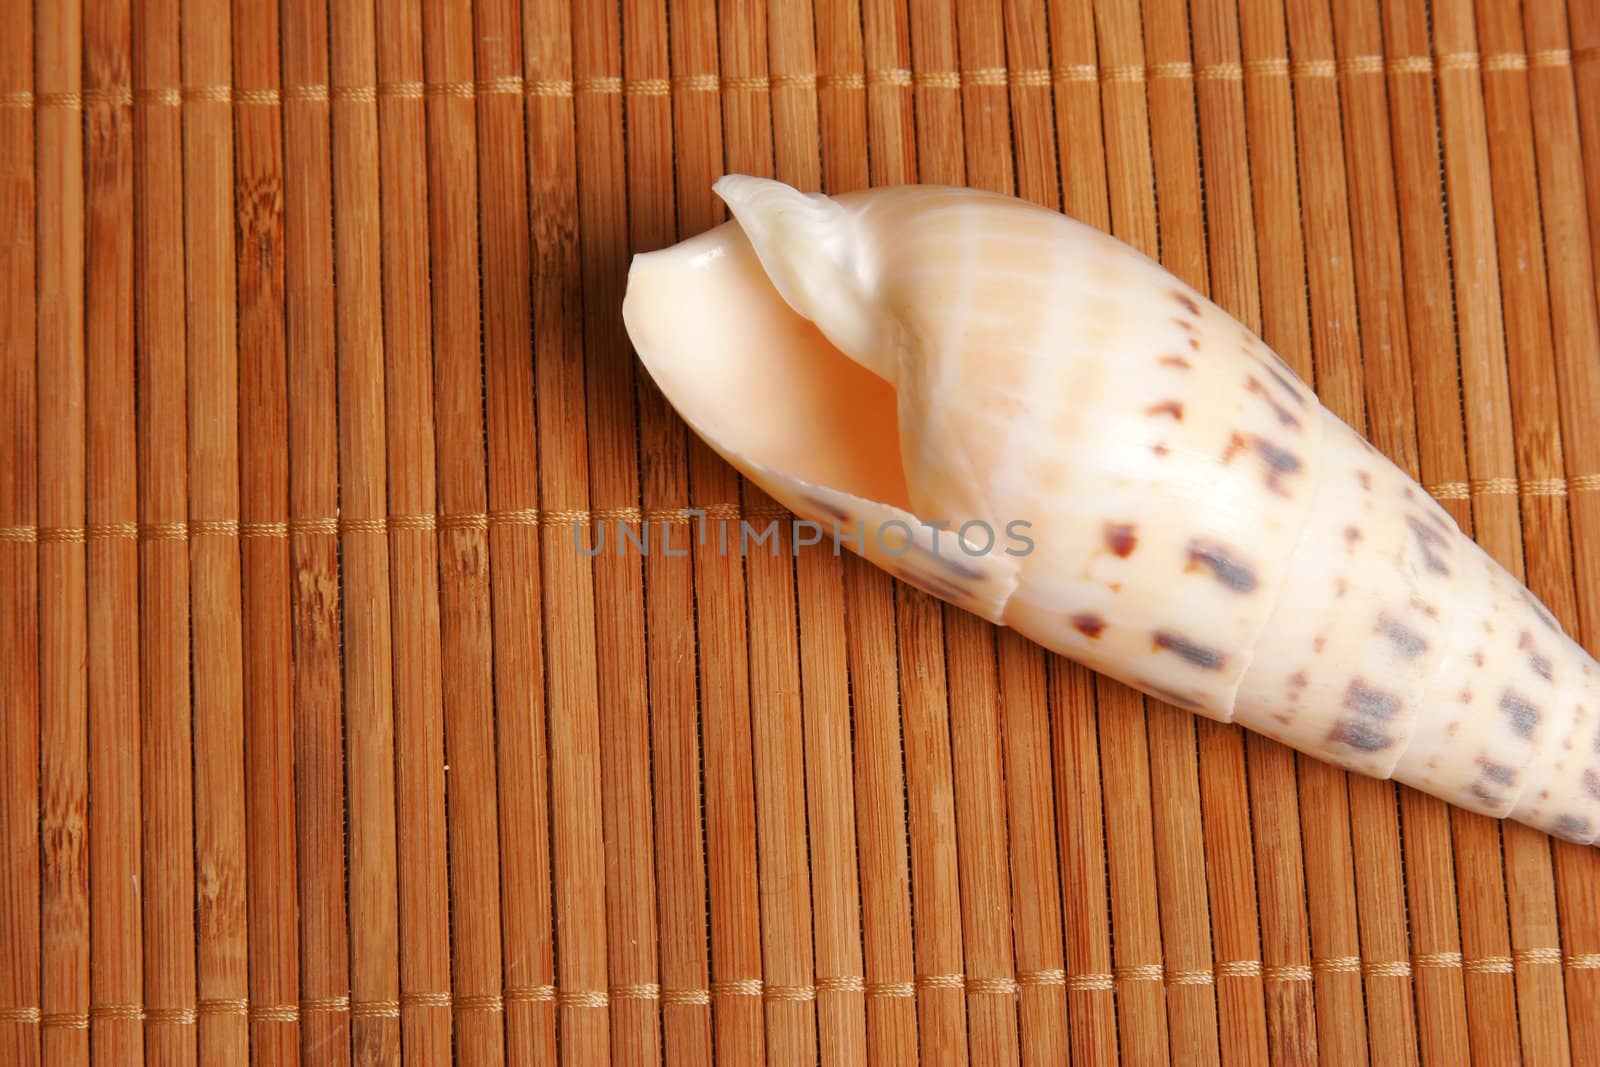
point(313, 320)
point(170, 890)
point(62, 564)
point(116, 1032)
point(367, 694)
point(20, 692)
point(362, 616)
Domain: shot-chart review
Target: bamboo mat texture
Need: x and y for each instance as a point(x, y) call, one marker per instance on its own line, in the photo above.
point(322, 744)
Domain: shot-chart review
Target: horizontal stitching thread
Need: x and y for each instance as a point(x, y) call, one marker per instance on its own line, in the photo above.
point(224, 1006)
point(993, 987)
point(1288, 972)
point(754, 987)
point(424, 999)
point(798, 993)
point(124, 1012)
point(179, 531)
point(173, 96)
point(323, 1005)
point(1053, 977)
point(845, 983)
point(486, 1002)
point(275, 1013)
point(580, 999)
point(1438, 959)
point(1195, 977)
point(737, 987)
point(1489, 965)
point(891, 989)
point(638, 991)
point(1149, 972)
point(1337, 965)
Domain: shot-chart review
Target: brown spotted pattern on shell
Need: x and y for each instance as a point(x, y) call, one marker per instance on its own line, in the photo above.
point(1195, 523)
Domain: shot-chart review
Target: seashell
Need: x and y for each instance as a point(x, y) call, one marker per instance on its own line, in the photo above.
point(1029, 419)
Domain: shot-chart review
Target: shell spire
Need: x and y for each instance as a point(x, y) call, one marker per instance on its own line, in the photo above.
point(807, 244)
point(1029, 419)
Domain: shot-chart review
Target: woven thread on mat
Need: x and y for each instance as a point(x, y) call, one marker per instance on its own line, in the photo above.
point(225, 1006)
point(172, 96)
point(485, 1002)
point(1053, 977)
point(993, 987)
point(797, 993)
point(582, 1000)
point(891, 989)
point(1196, 977)
point(1000, 985)
point(275, 1013)
point(423, 999)
point(737, 987)
point(1148, 972)
point(847, 983)
point(325, 1005)
point(120, 1012)
point(1438, 959)
point(483, 520)
point(639, 991)
point(1337, 965)
point(1289, 972)
point(1490, 965)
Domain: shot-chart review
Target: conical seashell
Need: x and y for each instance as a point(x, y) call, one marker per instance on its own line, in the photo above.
point(1027, 418)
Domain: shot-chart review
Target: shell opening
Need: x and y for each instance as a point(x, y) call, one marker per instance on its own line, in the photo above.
point(754, 377)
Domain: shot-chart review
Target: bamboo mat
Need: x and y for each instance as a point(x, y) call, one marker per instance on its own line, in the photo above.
point(321, 743)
